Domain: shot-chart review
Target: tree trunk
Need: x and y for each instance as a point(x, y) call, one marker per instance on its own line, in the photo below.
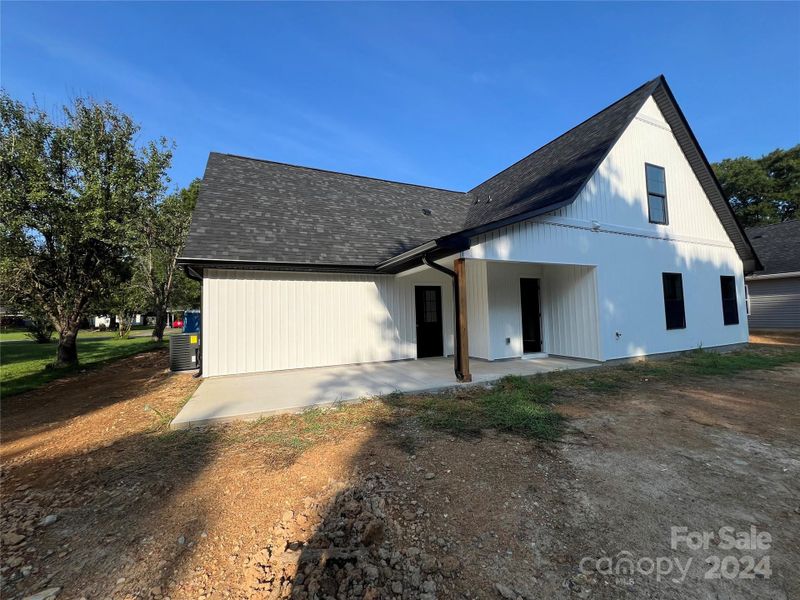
point(160, 324)
point(67, 354)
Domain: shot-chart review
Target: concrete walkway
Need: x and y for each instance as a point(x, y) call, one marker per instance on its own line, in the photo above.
point(220, 399)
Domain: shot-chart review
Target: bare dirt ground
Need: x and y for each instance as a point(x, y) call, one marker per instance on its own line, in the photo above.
point(101, 501)
point(775, 337)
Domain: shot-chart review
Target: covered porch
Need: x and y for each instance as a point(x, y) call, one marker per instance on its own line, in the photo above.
point(247, 397)
point(503, 309)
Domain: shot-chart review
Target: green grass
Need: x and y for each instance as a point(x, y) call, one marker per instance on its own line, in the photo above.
point(701, 363)
point(24, 363)
point(514, 404)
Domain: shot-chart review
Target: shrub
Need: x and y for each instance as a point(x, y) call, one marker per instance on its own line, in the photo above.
point(40, 329)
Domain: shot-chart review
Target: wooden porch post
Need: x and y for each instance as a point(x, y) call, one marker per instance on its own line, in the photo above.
point(462, 348)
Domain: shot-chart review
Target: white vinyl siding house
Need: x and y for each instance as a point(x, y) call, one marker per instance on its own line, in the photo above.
point(607, 229)
point(262, 321)
point(595, 254)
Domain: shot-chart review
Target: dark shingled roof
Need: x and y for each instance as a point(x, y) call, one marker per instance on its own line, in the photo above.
point(778, 246)
point(260, 211)
point(256, 211)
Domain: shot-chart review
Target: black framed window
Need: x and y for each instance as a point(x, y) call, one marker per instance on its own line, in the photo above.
point(656, 194)
point(730, 309)
point(673, 300)
point(431, 314)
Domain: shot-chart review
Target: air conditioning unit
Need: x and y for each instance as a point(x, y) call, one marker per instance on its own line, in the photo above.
point(184, 351)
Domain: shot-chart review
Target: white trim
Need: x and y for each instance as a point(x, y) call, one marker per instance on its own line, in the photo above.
point(597, 227)
point(787, 275)
point(747, 299)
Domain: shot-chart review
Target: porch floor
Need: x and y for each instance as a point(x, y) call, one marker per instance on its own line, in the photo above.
point(245, 397)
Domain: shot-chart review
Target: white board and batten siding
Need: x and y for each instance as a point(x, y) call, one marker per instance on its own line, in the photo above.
point(607, 228)
point(266, 321)
point(570, 313)
point(568, 304)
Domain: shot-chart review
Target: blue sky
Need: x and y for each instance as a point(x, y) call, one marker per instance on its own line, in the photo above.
point(437, 94)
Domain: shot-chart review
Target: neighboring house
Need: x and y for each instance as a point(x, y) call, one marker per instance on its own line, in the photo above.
point(775, 291)
point(612, 241)
point(108, 321)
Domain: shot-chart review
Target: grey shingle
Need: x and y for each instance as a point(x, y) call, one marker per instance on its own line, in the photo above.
point(778, 246)
point(261, 211)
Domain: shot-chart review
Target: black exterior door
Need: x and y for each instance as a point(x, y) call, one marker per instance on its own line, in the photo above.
point(531, 316)
point(428, 301)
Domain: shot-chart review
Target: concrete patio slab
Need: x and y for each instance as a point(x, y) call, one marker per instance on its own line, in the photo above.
point(247, 397)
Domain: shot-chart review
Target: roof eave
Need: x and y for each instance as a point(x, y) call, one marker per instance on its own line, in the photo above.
point(433, 249)
point(256, 265)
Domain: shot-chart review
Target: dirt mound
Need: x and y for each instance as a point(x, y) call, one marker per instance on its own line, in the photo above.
point(352, 547)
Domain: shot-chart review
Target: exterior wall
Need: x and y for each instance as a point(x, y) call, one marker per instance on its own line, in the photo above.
point(570, 314)
point(617, 193)
point(265, 321)
point(477, 309)
point(505, 311)
point(607, 227)
point(104, 321)
point(774, 303)
point(568, 305)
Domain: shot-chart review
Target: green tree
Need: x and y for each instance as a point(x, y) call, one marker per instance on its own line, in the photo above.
point(160, 235)
point(126, 301)
point(762, 190)
point(70, 194)
point(185, 292)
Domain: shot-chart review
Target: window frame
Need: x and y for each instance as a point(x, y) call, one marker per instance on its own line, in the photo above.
point(671, 304)
point(747, 298)
point(726, 312)
point(658, 194)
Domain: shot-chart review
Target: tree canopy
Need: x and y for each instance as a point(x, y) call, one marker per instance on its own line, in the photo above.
point(159, 238)
point(71, 195)
point(762, 190)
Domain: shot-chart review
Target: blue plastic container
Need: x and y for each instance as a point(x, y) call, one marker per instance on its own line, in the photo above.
point(191, 321)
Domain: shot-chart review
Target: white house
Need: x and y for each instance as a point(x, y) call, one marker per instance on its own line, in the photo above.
point(612, 241)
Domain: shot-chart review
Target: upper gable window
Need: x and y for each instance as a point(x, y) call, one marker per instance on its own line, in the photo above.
point(656, 194)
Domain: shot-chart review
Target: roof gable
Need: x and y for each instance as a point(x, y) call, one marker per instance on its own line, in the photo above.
point(253, 211)
point(553, 175)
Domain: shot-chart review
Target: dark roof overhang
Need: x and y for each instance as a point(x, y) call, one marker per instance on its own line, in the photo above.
point(433, 249)
point(198, 265)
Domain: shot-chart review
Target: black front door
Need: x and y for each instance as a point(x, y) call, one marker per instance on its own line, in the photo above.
point(531, 316)
point(428, 301)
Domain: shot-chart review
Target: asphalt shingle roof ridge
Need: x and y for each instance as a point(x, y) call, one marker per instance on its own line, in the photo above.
point(332, 172)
